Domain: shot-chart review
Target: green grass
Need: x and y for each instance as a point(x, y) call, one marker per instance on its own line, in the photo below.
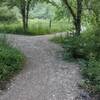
point(36, 27)
point(59, 39)
point(11, 62)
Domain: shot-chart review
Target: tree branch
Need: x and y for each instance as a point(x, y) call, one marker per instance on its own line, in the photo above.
point(53, 3)
point(70, 8)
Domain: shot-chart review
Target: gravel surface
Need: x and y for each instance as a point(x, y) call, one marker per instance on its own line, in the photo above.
point(45, 75)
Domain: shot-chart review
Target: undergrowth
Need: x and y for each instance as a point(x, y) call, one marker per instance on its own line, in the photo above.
point(86, 49)
point(11, 62)
point(36, 27)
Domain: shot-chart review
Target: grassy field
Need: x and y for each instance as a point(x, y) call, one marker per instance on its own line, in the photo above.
point(36, 27)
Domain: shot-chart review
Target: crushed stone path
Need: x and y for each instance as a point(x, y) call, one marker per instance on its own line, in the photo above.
point(45, 75)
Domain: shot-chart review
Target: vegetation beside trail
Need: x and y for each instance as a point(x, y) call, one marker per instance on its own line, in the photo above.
point(80, 18)
point(84, 45)
point(36, 27)
point(86, 49)
point(11, 62)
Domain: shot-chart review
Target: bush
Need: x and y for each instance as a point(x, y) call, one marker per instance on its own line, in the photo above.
point(59, 39)
point(91, 73)
point(11, 62)
point(83, 46)
point(74, 47)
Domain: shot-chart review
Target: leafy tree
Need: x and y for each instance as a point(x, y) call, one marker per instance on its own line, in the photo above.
point(75, 12)
point(94, 6)
point(24, 7)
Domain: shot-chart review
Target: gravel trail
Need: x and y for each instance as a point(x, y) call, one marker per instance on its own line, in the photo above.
point(45, 75)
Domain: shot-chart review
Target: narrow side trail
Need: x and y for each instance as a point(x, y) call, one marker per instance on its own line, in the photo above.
point(45, 75)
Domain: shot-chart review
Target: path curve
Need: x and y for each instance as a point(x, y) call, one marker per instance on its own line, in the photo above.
point(45, 75)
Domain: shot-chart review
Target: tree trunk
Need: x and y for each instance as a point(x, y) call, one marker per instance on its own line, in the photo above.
point(77, 24)
point(27, 12)
point(24, 23)
point(50, 24)
point(23, 12)
point(27, 21)
point(78, 17)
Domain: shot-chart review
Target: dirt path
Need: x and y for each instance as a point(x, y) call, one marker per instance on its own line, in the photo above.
point(45, 76)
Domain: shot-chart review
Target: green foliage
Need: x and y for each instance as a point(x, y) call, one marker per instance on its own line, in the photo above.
point(11, 61)
point(61, 13)
point(7, 15)
point(59, 39)
point(84, 46)
point(94, 6)
point(43, 11)
point(91, 72)
point(36, 27)
point(87, 48)
point(75, 47)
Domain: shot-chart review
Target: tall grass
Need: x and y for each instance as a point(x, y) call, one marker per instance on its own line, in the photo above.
point(11, 61)
point(36, 27)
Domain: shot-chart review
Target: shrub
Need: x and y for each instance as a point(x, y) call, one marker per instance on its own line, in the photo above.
point(83, 46)
point(10, 61)
point(59, 39)
point(91, 73)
